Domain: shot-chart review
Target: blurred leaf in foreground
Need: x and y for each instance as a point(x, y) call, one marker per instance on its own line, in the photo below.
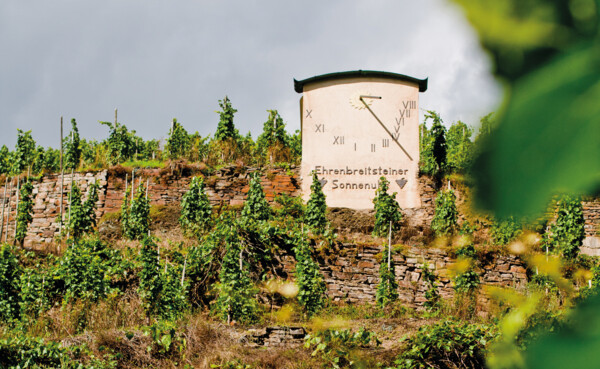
point(548, 136)
point(548, 139)
point(577, 345)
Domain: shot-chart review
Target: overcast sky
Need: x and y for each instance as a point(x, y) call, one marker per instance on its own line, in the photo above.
point(158, 60)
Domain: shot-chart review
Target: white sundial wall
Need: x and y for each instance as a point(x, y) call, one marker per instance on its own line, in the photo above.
point(358, 128)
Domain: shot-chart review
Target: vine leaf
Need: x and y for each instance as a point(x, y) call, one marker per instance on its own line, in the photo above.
point(547, 139)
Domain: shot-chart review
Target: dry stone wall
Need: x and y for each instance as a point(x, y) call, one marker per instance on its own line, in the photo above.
point(352, 272)
point(227, 186)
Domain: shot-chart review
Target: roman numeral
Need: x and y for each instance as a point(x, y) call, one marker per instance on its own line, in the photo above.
point(395, 136)
point(320, 128)
point(397, 129)
point(399, 121)
point(308, 113)
point(410, 104)
point(372, 147)
point(338, 140)
point(355, 146)
point(386, 142)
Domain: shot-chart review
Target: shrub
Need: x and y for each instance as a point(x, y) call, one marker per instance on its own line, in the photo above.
point(178, 143)
point(72, 147)
point(35, 291)
point(460, 147)
point(162, 292)
point(24, 212)
point(505, 230)
point(444, 222)
point(338, 347)
point(10, 272)
point(82, 215)
point(273, 142)
point(387, 210)
point(135, 214)
point(568, 232)
point(466, 280)
point(256, 206)
point(84, 270)
point(24, 152)
point(195, 208)
point(432, 295)
point(226, 129)
point(236, 292)
point(447, 344)
point(316, 207)
point(311, 286)
point(387, 289)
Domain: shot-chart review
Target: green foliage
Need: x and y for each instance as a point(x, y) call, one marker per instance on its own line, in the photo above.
point(72, 147)
point(82, 215)
point(24, 151)
point(546, 53)
point(166, 341)
point(295, 142)
point(568, 232)
point(35, 291)
point(178, 143)
point(387, 289)
point(119, 143)
point(51, 160)
point(195, 208)
point(311, 286)
point(432, 295)
point(486, 124)
point(38, 160)
point(316, 207)
point(505, 230)
point(547, 75)
point(226, 129)
point(84, 269)
point(445, 219)
point(4, 160)
point(438, 146)
point(256, 206)
point(427, 163)
point(10, 272)
point(289, 206)
point(18, 351)
point(460, 147)
point(24, 211)
point(337, 347)
point(161, 289)
point(386, 210)
point(135, 220)
point(236, 292)
point(273, 143)
point(446, 344)
point(149, 275)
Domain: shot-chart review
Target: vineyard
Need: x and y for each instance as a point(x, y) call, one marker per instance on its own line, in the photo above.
point(199, 274)
point(198, 252)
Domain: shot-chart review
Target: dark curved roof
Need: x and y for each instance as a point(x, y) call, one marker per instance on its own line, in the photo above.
point(299, 85)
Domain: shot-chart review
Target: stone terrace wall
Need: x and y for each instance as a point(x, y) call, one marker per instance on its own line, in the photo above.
point(227, 186)
point(591, 212)
point(352, 273)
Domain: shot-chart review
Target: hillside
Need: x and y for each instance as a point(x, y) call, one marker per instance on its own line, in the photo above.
point(255, 286)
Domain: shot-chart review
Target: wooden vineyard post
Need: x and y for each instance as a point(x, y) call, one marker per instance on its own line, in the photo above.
point(62, 176)
point(17, 209)
point(8, 213)
point(390, 248)
point(70, 197)
point(3, 206)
